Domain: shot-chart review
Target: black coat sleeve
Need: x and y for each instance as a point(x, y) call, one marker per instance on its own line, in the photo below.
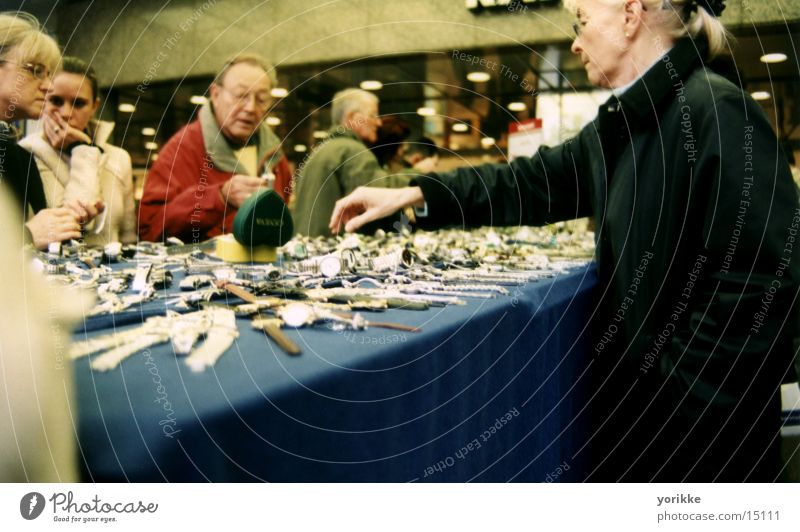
point(18, 171)
point(538, 190)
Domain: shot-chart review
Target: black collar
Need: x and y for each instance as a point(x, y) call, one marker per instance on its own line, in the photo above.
point(663, 79)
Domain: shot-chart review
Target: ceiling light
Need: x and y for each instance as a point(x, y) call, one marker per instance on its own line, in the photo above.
point(126, 108)
point(478, 77)
point(151, 146)
point(300, 148)
point(279, 92)
point(148, 131)
point(487, 142)
point(320, 134)
point(517, 107)
point(460, 127)
point(426, 111)
point(371, 85)
point(761, 95)
point(773, 58)
point(273, 121)
point(198, 100)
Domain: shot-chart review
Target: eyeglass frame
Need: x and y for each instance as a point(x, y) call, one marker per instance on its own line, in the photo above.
point(244, 99)
point(37, 70)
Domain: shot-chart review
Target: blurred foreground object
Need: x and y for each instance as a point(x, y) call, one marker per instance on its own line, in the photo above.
point(37, 437)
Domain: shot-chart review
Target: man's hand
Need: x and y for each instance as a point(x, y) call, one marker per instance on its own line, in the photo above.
point(367, 204)
point(59, 134)
point(53, 225)
point(85, 212)
point(240, 187)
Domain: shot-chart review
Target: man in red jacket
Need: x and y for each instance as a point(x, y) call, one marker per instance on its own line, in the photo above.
point(208, 168)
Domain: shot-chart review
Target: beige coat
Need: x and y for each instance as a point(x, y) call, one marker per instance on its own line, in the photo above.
point(89, 174)
point(37, 407)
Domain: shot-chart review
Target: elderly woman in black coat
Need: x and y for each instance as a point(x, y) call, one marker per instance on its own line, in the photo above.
point(696, 218)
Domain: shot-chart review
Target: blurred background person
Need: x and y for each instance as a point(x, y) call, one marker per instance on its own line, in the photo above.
point(27, 59)
point(75, 160)
point(211, 166)
point(421, 154)
point(388, 148)
point(340, 163)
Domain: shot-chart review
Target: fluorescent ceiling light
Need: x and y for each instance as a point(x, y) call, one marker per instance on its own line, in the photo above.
point(371, 85)
point(478, 77)
point(773, 58)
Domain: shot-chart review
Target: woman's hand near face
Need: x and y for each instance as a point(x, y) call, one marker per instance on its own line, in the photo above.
point(60, 134)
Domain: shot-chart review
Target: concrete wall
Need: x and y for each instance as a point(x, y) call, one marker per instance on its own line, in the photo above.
point(137, 41)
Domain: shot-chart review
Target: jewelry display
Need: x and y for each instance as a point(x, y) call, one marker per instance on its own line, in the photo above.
point(217, 325)
point(315, 280)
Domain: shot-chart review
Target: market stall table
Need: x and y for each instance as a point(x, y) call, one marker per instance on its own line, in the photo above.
point(489, 391)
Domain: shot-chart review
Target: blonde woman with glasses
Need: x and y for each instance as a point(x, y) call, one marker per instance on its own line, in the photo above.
point(27, 59)
point(36, 426)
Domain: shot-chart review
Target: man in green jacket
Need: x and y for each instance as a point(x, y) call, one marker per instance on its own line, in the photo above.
point(340, 164)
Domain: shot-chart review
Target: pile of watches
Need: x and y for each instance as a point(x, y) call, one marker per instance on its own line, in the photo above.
point(316, 280)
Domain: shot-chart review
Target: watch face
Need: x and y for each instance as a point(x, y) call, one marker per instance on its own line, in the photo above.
point(296, 314)
point(349, 260)
point(330, 266)
point(113, 249)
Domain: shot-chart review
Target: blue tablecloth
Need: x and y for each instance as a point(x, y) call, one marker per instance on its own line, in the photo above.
point(490, 391)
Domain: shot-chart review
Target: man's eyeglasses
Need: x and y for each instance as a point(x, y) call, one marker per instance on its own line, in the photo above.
point(36, 70)
point(261, 99)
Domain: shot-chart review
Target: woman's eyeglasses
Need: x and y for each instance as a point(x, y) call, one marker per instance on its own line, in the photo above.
point(36, 70)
